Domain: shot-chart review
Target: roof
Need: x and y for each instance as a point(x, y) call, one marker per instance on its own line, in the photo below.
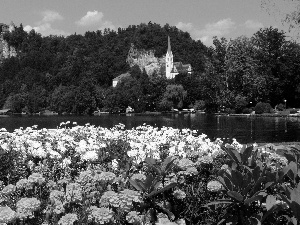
point(120, 77)
point(169, 45)
point(4, 111)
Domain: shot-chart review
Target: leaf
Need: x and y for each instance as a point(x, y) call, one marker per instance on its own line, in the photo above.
point(254, 198)
point(237, 178)
point(237, 196)
point(253, 158)
point(136, 185)
point(234, 154)
point(148, 182)
point(152, 163)
point(218, 202)
point(168, 164)
point(169, 213)
point(290, 157)
point(256, 173)
point(246, 154)
point(156, 192)
point(270, 202)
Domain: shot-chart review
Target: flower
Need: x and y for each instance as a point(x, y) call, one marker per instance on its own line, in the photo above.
point(179, 194)
point(26, 206)
point(36, 178)
point(204, 160)
point(68, 219)
point(56, 196)
point(138, 176)
point(73, 192)
point(90, 156)
point(127, 197)
point(105, 176)
point(59, 208)
point(110, 198)
point(214, 186)
point(8, 189)
point(7, 215)
point(185, 163)
point(114, 164)
point(23, 183)
point(100, 215)
point(134, 217)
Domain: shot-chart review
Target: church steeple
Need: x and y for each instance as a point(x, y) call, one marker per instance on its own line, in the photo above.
point(169, 60)
point(169, 46)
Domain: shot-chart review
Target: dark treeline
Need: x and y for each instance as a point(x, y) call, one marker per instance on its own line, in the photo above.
point(74, 74)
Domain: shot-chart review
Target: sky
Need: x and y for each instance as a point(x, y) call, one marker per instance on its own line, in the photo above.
point(203, 19)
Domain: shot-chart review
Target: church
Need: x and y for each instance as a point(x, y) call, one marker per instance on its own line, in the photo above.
point(174, 68)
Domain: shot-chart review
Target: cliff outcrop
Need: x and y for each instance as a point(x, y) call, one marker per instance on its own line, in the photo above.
point(144, 59)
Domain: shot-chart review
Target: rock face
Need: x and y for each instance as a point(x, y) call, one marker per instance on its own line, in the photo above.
point(6, 51)
point(144, 59)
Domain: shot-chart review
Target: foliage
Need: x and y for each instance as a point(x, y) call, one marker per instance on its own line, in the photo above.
point(262, 107)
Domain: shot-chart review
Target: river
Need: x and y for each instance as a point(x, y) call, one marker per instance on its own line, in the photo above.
point(244, 129)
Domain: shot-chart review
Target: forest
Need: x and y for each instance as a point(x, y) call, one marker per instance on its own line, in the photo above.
point(74, 74)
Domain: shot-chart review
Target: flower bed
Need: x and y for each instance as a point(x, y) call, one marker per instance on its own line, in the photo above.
point(93, 175)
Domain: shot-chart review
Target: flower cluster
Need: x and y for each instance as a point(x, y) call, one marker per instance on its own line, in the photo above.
point(26, 207)
point(214, 186)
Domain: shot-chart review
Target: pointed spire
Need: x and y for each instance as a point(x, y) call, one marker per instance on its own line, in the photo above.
point(169, 45)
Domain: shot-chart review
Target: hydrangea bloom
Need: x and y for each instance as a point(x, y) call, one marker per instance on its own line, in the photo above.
point(127, 197)
point(8, 189)
point(56, 196)
point(214, 186)
point(7, 215)
point(179, 194)
point(68, 219)
point(204, 160)
point(134, 217)
point(23, 183)
point(185, 163)
point(105, 176)
point(26, 207)
point(138, 176)
point(100, 215)
point(73, 192)
point(110, 198)
point(36, 178)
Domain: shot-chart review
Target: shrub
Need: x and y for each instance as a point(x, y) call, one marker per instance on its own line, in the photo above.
point(247, 110)
point(199, 105)
point(240, 103)
point(262, 107)
point(280, 107)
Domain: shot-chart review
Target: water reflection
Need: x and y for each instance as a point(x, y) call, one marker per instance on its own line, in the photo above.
point(244, 129)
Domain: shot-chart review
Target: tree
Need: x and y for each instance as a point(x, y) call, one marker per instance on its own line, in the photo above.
point(173, 97)
point(288, 12)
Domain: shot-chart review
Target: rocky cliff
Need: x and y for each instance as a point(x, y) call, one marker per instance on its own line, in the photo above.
point(144, 59)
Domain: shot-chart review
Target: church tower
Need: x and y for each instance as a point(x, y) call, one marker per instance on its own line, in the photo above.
point(169, 60)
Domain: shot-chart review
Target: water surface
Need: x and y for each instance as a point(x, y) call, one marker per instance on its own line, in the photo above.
point(244, 129)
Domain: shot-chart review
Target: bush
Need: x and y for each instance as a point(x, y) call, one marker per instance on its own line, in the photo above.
point(280, 107)
point(240, 103)
point(199, 105)
point(262, 107)
point(293, 111)
point(247, 110)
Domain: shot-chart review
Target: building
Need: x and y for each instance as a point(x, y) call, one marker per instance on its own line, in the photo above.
point(119, 78)
point(173, 68)
point(6, 51)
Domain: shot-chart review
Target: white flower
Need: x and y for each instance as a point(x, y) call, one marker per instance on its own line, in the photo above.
point(90, 156)
point(7, 215)
point(114, 164)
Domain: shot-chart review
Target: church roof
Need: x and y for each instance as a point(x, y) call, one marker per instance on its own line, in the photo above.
point(169, 46)
point(120, 77)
